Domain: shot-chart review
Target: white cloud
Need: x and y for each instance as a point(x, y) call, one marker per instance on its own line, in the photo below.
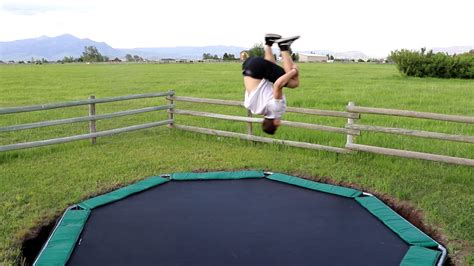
point(373, 27)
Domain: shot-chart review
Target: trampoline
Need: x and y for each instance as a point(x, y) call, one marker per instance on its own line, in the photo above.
point(236, 218)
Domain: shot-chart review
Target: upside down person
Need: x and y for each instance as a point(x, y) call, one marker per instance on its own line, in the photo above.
point(264, 81)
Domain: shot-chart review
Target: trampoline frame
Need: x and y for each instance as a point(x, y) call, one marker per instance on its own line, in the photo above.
point(58, 248)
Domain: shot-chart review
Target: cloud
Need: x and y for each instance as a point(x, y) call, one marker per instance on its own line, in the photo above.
point(25, 8)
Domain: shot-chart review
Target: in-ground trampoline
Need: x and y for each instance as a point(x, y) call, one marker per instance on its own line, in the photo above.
point(236, 218)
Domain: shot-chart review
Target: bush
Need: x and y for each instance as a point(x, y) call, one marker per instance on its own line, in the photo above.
point(421, 64)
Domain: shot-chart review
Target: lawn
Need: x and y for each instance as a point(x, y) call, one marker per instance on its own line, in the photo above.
point(36, 185)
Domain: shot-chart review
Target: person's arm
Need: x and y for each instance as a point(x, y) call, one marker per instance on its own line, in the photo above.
point(281, 82)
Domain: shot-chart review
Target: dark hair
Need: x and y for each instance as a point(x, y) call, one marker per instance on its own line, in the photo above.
point(268, 126)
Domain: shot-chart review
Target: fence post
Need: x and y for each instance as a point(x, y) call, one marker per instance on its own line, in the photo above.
point(249, 124)
point(350, 121)
point(170, 111)
point(92, 127)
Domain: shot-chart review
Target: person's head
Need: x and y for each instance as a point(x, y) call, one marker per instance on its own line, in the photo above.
point(274, 111)
point(270, 125)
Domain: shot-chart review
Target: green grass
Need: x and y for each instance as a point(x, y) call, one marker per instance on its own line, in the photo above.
point(38, 184)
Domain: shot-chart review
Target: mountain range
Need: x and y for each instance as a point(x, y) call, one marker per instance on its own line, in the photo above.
point(56, 48)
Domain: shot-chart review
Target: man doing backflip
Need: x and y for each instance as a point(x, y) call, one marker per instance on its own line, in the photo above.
point(264, 81)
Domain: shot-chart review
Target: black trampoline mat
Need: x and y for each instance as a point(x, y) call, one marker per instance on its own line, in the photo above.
point(235, 222)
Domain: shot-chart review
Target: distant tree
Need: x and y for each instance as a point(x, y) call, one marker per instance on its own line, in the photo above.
point(215, 57)
point(331, 57)
point(257, 50)
point(360, 60)
point(207, 56)
point(137, 58)
point(91, 54)
point(129, 58)
point(21, 62)
point(227, 57)
point(68, 59)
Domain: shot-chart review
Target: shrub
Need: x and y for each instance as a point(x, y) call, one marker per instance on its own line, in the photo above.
point(421, 64)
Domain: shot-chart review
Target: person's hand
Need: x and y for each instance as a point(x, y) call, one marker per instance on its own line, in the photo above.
point(296, 68)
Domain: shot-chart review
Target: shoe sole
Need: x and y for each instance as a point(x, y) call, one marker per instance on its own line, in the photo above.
point(287, 39)
point(273, 36)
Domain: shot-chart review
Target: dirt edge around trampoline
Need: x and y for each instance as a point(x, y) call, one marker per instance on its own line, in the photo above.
point(32, 241)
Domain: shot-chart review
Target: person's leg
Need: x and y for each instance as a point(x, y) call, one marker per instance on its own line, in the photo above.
point(269, 40)
point(269, 54)
point(288, 63)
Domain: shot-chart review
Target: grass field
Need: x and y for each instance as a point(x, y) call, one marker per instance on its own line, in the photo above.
point(36, 185)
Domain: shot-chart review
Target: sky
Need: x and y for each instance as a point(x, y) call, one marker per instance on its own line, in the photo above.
point(374, 27)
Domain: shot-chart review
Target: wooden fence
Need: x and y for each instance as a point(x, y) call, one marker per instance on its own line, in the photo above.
point(91, 118)
point(351, 115)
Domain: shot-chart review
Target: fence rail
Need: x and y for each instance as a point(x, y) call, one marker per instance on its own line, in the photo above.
point(259, 120)
point(92, 118)
point(84, 118)
point(410, 132)
point(414, 114)
point(262, 139)
point(411, 154)
point(82, 137)
point(352, 129)
point(288, 109)
point(13, 110)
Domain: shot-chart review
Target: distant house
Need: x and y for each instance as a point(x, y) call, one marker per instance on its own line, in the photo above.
point(312, 58)
point(244, 55)
point(115, 60)
point(167, 60)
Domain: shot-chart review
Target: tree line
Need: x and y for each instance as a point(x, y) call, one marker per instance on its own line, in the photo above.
point(225, 57)
point(92, 54)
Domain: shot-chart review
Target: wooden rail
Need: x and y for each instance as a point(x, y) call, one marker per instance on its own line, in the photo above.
point(83, 118)
point(352, 128)
point(259, 120)
point(21, 109)
point(411, 154)
point(409, 132)
point(40, 143)
point(394, 112)
point(288, 109)
point(91, 118)
point(261, 139)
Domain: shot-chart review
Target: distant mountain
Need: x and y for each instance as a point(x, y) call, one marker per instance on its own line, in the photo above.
point(183, 52)
point(51, 48)
point(341, 55)
point(453, 49)
point(55, 48)
point(351, 55)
